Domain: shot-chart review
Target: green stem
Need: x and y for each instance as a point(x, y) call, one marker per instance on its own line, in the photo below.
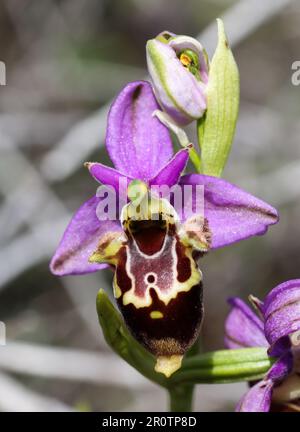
point(181, 395)
point(181, 398)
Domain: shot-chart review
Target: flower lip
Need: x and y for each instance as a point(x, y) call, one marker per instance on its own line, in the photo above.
point(148, 221)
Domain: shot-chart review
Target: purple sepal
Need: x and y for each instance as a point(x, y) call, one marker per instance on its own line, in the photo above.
point(281, 368)
point(80, 240)
point(257, 399)
point(242, 327)
point(170, 174)
point(108, 176)
point(232, 213)
point(282, 313)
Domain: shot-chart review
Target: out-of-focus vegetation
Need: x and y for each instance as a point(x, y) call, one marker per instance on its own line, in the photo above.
point(65, 60)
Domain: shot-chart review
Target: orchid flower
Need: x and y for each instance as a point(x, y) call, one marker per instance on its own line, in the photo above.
point(276, 328)
point(157, 282)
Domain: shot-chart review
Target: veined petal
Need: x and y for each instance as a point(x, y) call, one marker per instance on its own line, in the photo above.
point(282, 312)
point(80, 240)
point(107, 175)
point(258, 398)
point(242, 327)
point(171, 172)
point(138, 143)
point(232, 213)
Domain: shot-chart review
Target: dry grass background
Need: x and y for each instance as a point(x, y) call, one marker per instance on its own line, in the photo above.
point(65, 60)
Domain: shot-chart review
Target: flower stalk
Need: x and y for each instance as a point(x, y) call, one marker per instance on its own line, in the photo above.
point(181, 398)
point(182, 137)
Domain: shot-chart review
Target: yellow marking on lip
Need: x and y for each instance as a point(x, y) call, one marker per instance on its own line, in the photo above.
point(166, 297)
point(167, 365)
point(108, 248)
point(156, 315)
point(116, 288)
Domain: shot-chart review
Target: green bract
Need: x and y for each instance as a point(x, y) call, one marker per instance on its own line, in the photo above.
point(216, 129)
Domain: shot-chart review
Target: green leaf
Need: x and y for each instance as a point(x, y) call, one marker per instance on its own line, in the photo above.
point(247, 364)
point(216, 129)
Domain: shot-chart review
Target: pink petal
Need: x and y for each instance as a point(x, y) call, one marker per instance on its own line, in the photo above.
point(80, 241)
point(138, 143)
point(232, 213)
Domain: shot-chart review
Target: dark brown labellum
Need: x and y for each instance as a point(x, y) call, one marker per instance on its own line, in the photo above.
point(157, 283)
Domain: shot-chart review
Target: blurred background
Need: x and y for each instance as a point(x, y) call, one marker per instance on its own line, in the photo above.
point(65, 60)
